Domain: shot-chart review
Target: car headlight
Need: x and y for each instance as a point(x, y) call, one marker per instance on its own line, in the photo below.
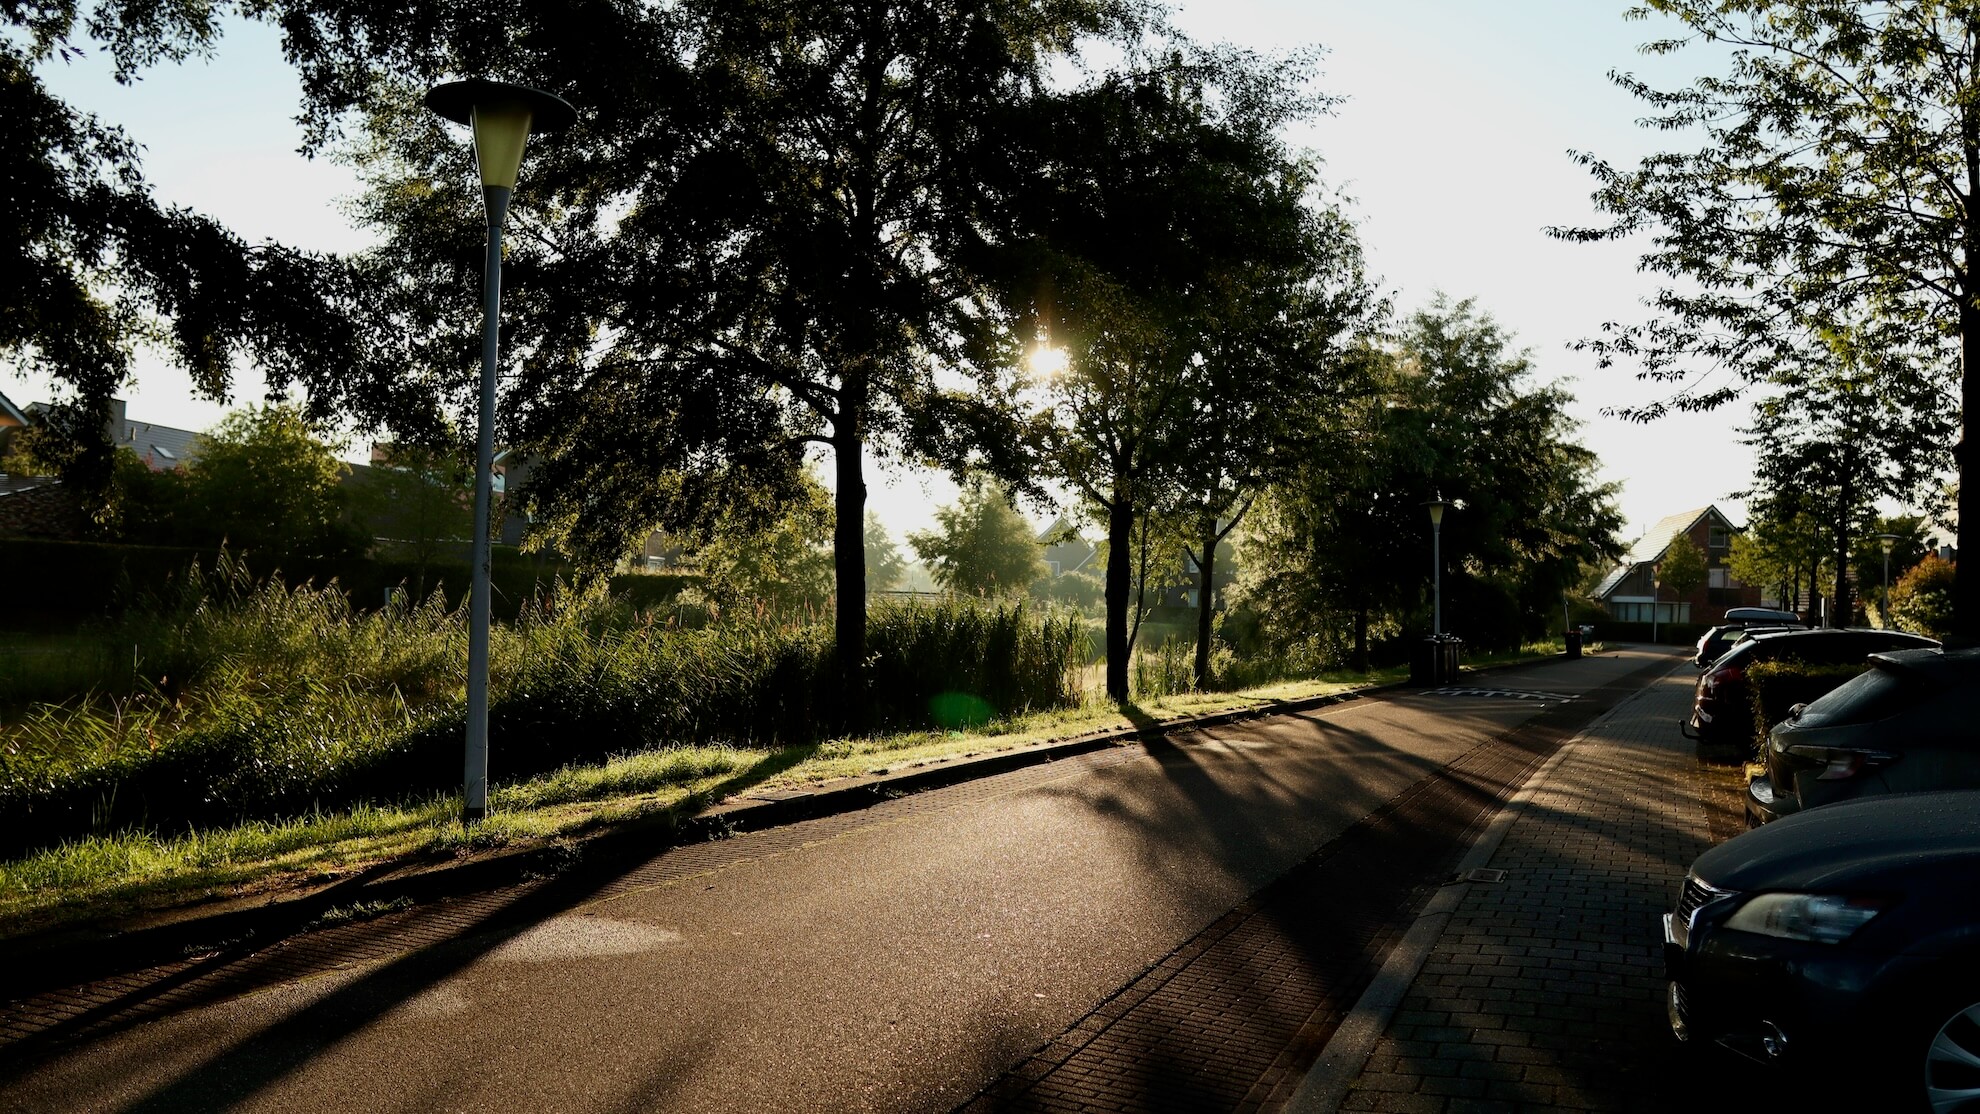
point(1822, 918)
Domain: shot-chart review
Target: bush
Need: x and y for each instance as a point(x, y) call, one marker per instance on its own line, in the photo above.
point(1921, 600)
point(1775, 687)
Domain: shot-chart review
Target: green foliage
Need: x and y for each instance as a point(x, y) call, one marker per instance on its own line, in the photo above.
point(774, 235)
point(885, 567)
point(1817, 242)
point(1081, 588)
point(269, 702)
point(981, 545)
point(786, 565)
point(100, 265)
point(264, 482)
point(1682, 569)
point(1343, 546)
point(1775, 687)
point(1166, 669)
point(1782, 548)
point(1922, 599)
point(1164, 238)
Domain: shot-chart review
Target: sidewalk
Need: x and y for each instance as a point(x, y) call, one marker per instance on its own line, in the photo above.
point(1544, 990)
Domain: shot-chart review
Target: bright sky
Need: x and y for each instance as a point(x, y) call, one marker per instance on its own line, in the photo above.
point(1453, 142)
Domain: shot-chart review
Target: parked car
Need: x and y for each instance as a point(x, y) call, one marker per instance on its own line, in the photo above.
point(1714, 643)
point(1843, 946)
point(1908, 724)
point(1721, 706)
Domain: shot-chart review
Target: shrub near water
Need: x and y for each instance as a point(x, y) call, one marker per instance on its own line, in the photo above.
point(271, 702)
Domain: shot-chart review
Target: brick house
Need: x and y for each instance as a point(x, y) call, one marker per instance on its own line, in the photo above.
point(1626, 592)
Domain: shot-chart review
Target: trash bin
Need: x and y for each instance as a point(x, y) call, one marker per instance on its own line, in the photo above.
point(1436, 660)
point(1574, 643)
point(1423, 663)
point(1448, 649)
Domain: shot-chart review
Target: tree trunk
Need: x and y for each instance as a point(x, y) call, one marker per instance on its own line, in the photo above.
point(1120, 554)
point(849, 560)
point(1360, 662)
point(1815, 594)
point(1842, 612)
point(1205, 567)
point(1966, 586)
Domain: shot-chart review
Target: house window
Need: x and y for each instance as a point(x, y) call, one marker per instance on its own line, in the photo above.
point(1718, 578)
point(1719, 539)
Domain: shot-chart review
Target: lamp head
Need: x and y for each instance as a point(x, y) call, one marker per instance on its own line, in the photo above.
point(1889, 540)
point(502, 116)
point(1436, 506)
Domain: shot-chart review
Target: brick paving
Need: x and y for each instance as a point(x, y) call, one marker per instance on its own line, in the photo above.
point(1545, 991)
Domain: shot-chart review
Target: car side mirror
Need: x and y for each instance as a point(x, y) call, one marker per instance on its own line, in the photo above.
point(1794, 713)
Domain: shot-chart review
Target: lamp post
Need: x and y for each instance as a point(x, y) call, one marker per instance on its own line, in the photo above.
point(1656, 590)
point(1884, 603)
point(502, 117)
point(1436, 507)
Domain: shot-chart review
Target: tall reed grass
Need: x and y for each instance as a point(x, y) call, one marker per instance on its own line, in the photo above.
point(258, 701)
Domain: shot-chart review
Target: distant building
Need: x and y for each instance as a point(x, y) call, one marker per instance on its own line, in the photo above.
point(1626, 592)
point(1065, 550)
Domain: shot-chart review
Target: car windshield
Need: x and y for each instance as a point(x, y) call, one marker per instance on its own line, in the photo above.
point(1878, 694)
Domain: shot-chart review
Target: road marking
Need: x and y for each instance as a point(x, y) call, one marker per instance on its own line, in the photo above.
point(1502, 694)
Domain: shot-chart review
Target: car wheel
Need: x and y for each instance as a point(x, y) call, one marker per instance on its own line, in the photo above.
point(1951, 1056)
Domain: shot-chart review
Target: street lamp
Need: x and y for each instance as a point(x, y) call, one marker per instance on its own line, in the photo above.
point(1884, 605)
point(502, 117)
point(1436, 507)
point(1656, 590)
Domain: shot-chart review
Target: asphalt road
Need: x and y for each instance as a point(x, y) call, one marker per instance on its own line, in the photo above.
point(896, 959)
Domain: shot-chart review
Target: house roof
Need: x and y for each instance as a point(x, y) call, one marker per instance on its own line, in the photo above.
point(161, 446)
point(9, 410)
point(1651, 546)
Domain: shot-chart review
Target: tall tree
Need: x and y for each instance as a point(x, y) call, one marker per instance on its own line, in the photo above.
point(1845, 436)
point(1166, 185)
point(1838, 181)
point(1273, 357)
point(760, 235)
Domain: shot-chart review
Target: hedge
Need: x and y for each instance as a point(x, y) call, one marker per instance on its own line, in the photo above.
point(1775, 687)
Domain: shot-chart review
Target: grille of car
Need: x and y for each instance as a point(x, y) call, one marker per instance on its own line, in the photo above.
point(1695, 896)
